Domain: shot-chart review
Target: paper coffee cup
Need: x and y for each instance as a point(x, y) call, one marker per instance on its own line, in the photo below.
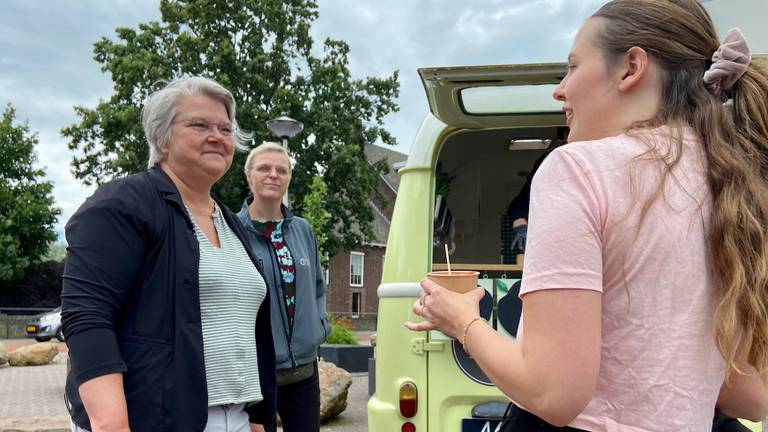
point(457, 281)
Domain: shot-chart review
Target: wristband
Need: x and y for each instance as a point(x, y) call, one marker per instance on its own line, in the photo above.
point(463, 340)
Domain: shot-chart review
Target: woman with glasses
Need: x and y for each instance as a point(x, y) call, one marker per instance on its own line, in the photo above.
point(287, 248)
point(163, 304)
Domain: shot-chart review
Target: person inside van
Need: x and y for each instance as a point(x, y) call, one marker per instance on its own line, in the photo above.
point(645, 288)
point(517, 211)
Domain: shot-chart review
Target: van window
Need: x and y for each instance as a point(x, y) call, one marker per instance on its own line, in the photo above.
point(517, 99)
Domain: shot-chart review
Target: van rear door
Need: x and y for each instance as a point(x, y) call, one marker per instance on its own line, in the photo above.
point(474, 100)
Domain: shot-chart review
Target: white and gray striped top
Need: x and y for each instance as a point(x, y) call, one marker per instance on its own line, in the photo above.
point(231, 291)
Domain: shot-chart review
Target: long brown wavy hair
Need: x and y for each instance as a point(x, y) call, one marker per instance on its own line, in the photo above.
point(680, 37)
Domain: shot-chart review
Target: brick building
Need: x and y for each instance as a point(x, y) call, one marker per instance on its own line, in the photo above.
point(353, 276)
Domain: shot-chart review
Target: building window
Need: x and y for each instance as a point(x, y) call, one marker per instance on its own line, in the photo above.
point(327, 269)
point(356, 302)
point(356, 260)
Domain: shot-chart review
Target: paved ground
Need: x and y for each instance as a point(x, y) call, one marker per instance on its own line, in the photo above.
point(31, 399)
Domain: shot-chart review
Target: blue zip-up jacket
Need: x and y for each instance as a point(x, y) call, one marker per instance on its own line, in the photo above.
point(310, 322)
point(131, 305)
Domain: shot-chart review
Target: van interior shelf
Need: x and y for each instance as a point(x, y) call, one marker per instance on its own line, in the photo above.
point(478, 267)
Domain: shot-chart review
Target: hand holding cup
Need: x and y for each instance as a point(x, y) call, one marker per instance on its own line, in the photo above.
point(447, 302)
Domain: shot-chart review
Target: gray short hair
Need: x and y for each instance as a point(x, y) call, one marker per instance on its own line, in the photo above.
point(160, 108)
point(266, 146)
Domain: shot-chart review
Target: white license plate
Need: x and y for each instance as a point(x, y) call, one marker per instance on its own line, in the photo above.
point(479, 425)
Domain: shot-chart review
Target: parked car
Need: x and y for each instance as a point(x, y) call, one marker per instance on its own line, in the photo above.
point(46, 326)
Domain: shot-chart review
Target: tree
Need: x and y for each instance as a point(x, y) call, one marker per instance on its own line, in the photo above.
point(262, 51)
point(317, 215)
point(27, 215)
point(57, 251)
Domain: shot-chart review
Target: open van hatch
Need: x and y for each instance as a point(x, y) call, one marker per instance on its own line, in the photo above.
point(486, 96)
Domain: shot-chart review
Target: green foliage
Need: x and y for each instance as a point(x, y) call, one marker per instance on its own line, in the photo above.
point(57, 251)
point(40, 286)
point(27, 215)
point(317, 215)
point(262, 51)
point(442, 181)
point(341, 331)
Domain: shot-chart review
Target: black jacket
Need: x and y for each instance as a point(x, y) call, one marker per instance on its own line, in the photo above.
point(131, 305)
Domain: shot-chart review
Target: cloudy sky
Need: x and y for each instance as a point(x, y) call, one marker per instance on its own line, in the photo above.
point(46, 65)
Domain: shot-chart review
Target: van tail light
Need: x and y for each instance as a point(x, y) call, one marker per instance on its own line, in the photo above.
point(409, 399)
point(408, 427)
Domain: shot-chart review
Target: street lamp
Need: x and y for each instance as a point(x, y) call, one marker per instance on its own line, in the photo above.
point(285, 128)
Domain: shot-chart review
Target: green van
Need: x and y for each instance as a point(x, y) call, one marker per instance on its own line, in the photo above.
point(486, 127)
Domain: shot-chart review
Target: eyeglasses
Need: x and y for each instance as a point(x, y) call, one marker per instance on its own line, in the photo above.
point(203, 126)
point(267, 169)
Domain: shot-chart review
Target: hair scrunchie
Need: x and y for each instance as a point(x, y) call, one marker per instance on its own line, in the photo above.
point(729, 62)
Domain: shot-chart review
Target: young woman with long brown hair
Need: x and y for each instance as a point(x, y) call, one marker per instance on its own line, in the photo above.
point(645, 288)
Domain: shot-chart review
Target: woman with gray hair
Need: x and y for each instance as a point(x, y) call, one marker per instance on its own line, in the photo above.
point(163, 302)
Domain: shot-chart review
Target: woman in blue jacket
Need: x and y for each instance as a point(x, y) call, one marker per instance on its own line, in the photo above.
point(163, 302)
point(287, 249)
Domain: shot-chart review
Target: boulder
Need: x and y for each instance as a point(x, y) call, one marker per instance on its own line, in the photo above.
point(34, 355)
point(3, 355)
point(61, 358)
point(334, 384)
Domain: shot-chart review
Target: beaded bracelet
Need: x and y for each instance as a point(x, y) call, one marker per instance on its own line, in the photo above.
point(466, 329)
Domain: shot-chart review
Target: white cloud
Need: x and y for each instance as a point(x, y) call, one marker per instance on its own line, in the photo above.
point(407, 35)
point(46, 50)
point(47, 69)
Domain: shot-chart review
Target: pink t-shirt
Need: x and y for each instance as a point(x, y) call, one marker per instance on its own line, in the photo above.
point(659, 369)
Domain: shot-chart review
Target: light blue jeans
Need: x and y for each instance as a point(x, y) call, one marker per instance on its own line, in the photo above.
point(221, 418)
point(227, 418)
